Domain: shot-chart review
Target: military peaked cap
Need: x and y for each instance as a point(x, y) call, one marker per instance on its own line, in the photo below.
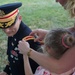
point(8, 14)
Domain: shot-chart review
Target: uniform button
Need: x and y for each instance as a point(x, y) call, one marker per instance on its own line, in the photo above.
point(16, 58)
point(13, 61)
point(15, 39)
point(11, 56)
point(12, 44)
point(9, 68)
point(10, 74)
point(16, 49)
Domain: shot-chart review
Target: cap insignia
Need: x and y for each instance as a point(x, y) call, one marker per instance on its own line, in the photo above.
point(1, 25)
point(10, 23)
point(2, 13)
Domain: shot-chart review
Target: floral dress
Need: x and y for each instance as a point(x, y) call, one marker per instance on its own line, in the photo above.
point(41, 71)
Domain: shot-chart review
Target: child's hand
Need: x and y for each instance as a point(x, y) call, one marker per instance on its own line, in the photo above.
point(23, 47)
point(3, 73)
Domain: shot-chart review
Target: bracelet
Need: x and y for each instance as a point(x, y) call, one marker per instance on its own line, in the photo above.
point(29, 52)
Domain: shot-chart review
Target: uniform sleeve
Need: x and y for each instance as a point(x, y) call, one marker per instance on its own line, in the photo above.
point(35, 45)
point(7, 69)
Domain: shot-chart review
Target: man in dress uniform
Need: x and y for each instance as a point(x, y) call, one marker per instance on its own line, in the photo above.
point(11, 23)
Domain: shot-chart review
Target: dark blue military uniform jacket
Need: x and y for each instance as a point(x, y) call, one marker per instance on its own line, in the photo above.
point(16, 66)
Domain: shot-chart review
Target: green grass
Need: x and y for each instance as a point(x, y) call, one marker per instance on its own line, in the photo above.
point(46, 14)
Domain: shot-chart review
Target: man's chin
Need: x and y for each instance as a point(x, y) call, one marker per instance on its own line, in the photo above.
point(9, 35)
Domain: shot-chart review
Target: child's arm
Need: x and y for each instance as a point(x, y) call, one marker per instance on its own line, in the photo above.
point(27, 67)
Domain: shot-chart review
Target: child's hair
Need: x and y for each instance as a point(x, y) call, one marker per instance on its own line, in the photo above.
point(70, 6)
point(59, 40)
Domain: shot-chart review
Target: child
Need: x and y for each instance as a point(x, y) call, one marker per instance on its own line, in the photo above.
point(56, 43)
point(15, 29)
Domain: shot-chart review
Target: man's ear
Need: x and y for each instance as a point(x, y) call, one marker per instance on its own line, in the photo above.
point(20, 17)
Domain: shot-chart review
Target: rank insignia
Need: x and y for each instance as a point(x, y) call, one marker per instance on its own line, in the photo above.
point(27, 38)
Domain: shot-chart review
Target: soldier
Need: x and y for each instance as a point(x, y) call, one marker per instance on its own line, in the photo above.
point(11, 23)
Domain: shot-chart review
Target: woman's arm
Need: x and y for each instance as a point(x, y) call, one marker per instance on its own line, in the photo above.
point(65, 63)
point(27, 67)
point(40, 33)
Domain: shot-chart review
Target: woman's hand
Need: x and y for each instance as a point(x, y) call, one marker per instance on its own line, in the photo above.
point(40, 33)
